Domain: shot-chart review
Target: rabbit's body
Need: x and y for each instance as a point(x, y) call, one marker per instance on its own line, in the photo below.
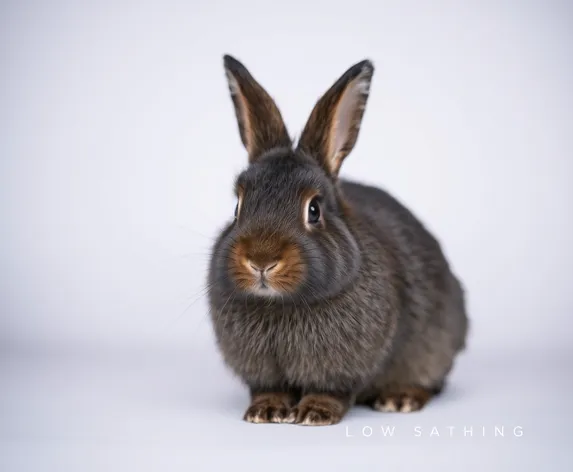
point(355, 305)
point(405, 308)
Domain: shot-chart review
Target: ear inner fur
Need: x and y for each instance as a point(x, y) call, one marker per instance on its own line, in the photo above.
point(332, 128)
point(260, 122)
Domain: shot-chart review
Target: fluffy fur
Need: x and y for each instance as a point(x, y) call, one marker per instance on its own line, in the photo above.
point(358, 307)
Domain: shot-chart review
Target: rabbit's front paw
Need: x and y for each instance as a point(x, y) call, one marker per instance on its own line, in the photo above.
point(269, 408)
point(318, 410)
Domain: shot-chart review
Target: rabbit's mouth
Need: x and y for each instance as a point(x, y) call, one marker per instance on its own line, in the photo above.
point(265, 290)
point(262, 285)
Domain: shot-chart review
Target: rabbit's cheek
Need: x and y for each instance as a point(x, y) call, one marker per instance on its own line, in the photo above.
point(289, 272)
point(239, 269)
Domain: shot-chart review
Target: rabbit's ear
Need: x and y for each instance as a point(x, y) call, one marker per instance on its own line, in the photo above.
point(260, 122)
point(332, 129)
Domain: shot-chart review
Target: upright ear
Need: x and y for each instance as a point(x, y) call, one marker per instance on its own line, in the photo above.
point(260, 122)
point(332, 129)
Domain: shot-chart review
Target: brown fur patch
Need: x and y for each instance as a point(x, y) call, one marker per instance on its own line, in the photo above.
point(289, 272)
point(269, 408)
point(285, 277)
point(239, 269)
point(319, 410)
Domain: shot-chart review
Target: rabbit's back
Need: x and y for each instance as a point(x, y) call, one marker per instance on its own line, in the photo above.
point(433, 325)
point(393, 218)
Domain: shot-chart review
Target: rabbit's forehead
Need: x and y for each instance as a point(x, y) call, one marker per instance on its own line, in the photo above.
point(282, 178)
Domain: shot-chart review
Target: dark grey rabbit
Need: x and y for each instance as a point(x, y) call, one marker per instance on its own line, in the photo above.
point(326, 293)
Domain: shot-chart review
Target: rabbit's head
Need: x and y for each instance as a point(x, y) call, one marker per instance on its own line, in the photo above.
point(289, 237)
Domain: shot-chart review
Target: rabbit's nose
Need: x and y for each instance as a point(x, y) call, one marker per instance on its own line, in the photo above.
point(263, 267)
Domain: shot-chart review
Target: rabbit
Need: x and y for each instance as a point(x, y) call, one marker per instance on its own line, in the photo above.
point(325, 293)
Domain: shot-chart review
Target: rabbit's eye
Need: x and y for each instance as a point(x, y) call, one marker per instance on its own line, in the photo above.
point(313, 211)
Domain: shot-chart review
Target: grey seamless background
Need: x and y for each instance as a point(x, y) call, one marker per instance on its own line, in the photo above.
point(118, 150)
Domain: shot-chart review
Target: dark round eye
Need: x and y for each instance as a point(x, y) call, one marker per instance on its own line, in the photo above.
point(313, 211)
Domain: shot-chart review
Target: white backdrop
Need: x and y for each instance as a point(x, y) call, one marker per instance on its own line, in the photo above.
point(118, 149)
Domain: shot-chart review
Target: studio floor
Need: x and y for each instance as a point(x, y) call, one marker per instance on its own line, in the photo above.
point(73, 410)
